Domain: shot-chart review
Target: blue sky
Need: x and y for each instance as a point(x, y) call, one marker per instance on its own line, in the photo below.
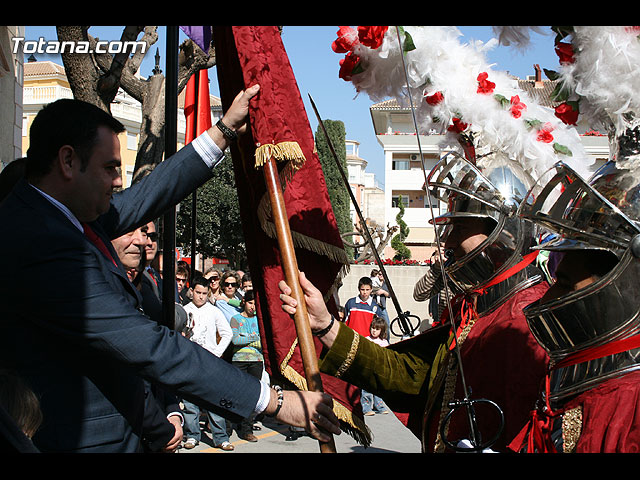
point(316, 67)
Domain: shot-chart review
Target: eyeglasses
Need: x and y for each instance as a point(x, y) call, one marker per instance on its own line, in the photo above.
point(230, 284)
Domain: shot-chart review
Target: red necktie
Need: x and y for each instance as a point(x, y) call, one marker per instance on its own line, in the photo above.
point(97, 241)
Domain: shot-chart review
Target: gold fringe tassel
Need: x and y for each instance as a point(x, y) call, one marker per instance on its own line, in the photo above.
point(289, 151)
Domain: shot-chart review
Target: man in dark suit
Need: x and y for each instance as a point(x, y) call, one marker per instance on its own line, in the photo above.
point(84, 345)
point(162, 427)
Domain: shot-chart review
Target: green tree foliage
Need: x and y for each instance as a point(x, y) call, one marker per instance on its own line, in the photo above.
point(397, 242)
point(336, 188)
point(219, 227)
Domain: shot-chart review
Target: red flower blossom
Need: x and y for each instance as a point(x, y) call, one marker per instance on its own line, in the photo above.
point(458, 126)
point(372, 36)
point(544, 134)
point(434, 99)
point(517, 106)
point(346, 41)
point(564, 52)
point(567, 113)
point(484, 85)
point(347, 66)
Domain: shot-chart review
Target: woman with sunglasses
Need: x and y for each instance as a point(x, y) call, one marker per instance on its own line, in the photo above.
point(227, 300)
point(213, 274)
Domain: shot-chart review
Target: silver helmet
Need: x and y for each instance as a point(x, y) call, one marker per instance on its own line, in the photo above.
point(491, 189)
point(598, 218)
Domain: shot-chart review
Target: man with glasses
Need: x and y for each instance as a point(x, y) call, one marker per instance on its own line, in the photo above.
point(150, 277)
point(182, 281)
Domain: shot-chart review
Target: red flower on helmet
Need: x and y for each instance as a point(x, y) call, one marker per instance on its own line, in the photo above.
point(517, 106)
point(544, 134)
point(567, 113)
point(458, 126)
point(372, 36)
point(434, 99)
point(484, 85)
point(346, 41)
point(564, 52)
point(349, 66)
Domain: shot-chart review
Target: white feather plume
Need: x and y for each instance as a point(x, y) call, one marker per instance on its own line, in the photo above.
point(605, 75)
point(441, 63)
point(517, 36)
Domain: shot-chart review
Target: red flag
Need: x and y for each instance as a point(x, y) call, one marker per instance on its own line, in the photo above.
point(197, 111)
point(246, 55)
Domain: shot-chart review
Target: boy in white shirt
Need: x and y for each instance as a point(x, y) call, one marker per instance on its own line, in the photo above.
point(208, 321)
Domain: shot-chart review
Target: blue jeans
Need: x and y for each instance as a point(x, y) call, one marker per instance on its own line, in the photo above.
point(191, 413)
point(371, 402)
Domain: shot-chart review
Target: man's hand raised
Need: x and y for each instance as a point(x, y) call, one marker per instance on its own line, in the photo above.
point(235, 118)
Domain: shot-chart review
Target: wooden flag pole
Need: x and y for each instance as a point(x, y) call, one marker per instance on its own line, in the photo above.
point(290, 267)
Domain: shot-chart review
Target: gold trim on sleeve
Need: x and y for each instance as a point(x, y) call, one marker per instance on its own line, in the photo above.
point(350, 356)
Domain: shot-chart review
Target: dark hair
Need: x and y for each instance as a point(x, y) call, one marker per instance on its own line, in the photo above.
point(20, 402)
point(11, 173)
point(183, 270)
point(203, 282)
point(230, 273)
point(65, 122)
point(249, 295)
point(381, 324)
point(364, 281)
point(246, 278)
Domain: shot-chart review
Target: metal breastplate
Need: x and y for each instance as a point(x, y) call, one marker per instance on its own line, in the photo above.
point(606, 311)
point(498, 294)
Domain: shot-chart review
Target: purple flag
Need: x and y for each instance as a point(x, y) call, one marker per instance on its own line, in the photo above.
point(200, 35)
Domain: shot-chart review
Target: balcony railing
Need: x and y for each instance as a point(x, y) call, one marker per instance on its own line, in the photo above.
point(45, 94)
point(48, 94)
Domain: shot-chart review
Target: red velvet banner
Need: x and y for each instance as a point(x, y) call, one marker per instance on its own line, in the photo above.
point(247, 55)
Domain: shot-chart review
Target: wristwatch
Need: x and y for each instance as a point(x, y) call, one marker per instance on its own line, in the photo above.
point(229, 134)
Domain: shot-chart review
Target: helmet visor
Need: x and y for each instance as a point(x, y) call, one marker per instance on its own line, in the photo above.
point(568, 205)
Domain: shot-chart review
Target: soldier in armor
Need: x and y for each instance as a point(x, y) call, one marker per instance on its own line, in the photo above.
point(589, 320)
point(492, 266)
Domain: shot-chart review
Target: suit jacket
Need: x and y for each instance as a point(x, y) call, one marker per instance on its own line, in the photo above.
point(76, 330)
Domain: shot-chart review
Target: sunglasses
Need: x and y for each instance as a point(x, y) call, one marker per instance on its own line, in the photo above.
point(214, 279)
point(230, 284)
point(153, 236)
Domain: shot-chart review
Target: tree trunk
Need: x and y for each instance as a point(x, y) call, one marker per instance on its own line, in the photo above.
point(151, 142)
point(96, 78)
